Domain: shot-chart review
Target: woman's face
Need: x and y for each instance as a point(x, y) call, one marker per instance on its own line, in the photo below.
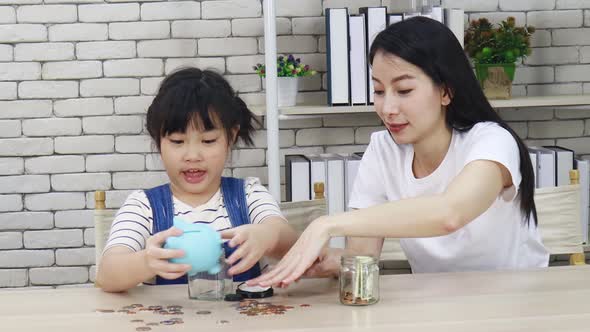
point(410, 105)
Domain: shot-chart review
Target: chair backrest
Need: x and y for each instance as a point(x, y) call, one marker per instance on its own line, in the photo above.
point(558, 211)
point(103, 219)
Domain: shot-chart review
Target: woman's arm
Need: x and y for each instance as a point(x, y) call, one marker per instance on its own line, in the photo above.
point(470, 194)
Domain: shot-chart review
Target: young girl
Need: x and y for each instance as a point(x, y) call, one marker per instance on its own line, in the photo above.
point(447, 176)
point(194, 120)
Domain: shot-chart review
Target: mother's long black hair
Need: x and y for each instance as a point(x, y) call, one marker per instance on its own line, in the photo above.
point(432, 47)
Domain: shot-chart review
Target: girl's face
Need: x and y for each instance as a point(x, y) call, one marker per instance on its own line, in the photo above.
point(407, 101)
point(194, 162)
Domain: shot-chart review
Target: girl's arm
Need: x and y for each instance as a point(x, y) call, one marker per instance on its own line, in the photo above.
point(121, 268)
point(284, 234)
point(470, 194)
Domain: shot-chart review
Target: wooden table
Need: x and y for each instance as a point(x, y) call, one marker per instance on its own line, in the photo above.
point(554, 299)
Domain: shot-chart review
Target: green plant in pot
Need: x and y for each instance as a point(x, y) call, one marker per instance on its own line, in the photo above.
point(289, 69)
point(494, 51)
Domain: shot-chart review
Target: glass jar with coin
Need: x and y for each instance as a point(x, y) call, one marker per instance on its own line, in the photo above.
point(211, 287)
point(359, 280)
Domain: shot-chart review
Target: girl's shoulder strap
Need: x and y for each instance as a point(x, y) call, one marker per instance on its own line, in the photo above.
point(160, 199)
point(234, 197)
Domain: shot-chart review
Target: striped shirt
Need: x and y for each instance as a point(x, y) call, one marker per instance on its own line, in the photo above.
point(133, 224)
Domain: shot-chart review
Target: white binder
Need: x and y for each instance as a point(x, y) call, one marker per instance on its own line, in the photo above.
point(358, 61)
point(337, 54)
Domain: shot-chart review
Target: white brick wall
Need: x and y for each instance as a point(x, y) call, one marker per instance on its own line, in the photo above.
point(52, 127)
point(54, 164)
point(83, 107)
point(46, 14)
point(62, 275)
point(25, 220)
point(72, 70)
point(78, 32)
point(108, 12)
point(11, 166)
point(44, 52)
point(231, 8)
point(81, 182)
point(48, 89)
point(16, 33)
point(23, 71)
point(77, 76)
point(174, 10)
point(106, 50)
point(201, 29)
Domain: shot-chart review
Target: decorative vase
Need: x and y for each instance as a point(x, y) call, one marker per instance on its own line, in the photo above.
point(287, 91)
point(496, 79)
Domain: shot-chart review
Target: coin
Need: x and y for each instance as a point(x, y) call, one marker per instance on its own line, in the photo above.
point(174, 307)
point(105, 311)
point(203, 312)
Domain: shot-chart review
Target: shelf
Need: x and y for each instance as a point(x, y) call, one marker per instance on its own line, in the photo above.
point(516, 102)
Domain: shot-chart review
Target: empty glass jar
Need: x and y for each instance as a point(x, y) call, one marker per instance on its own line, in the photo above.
point(359, 280)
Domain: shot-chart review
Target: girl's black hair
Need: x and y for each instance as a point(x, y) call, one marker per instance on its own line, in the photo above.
point(432, 47)
point(191, 96)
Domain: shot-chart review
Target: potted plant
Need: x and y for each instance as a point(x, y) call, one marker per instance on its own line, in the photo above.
point(494, 51)
point(289, 69)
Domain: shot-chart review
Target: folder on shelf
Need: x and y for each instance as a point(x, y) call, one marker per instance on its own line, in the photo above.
point(437, 14)
point(545, 167)
point(335, 190)
point(454, 19)
point(375, 22)
point(564, 163)
point(337, 54)
point(358, 61)
point(583, 167)
point(394, 18)
point(533, 157)
point(297, 178)
point(407, 16)
point(351, 167)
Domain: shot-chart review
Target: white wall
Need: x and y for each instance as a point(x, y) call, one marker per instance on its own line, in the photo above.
point(76, 77)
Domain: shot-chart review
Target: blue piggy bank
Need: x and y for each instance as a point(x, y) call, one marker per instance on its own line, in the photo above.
point(202, 246)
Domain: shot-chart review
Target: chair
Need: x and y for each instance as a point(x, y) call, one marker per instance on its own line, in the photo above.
point(299, 215)
point(558, 213)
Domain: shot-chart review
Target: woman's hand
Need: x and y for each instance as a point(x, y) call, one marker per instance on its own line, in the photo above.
point(254, 241)
point(156, 257)
point(300, 257)
point(327, 265)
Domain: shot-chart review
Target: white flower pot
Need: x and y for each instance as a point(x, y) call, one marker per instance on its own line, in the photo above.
point(287, 90)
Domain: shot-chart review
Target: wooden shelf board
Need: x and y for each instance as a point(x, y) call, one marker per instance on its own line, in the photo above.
point(516, 102)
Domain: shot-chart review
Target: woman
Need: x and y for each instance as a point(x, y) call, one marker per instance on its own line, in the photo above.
point(448, 176)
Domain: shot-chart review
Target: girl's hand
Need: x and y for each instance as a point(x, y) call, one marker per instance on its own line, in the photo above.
point(299, 258)
point(254, 241)
point(156, 257)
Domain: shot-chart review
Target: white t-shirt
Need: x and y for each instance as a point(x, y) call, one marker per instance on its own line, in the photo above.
point(497, 239)
point(133, 223)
